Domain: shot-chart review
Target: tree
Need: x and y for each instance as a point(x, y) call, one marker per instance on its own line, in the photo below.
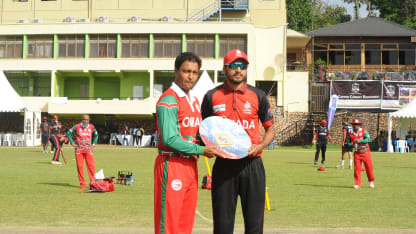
point(399, 11)
point(299, 15)
point(324, 15)
point(358, 4)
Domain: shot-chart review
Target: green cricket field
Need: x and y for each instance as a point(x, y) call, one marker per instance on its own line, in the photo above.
point(38, 197)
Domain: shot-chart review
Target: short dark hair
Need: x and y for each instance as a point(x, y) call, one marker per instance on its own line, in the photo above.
point(187, 56)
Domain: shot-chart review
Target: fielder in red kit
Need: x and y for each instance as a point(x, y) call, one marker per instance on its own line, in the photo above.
point(85, 139)
point(362, 153)
point(178, 117)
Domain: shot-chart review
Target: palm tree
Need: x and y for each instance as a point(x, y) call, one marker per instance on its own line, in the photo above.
point(357, 5)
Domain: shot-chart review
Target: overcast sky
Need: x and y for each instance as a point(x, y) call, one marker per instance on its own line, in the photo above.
point(350, 7)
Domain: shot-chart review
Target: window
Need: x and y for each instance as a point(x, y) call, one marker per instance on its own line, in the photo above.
point(48, 0)
point(164, 79)
point(352, 54)
point(42, 86)
point(202, 45)
point(406, 54)
point(220, 76)
point(269, 87)
point(103, 46)
point(11, 47)
point(135, 46)
point(372, 54)
point(231, 42)
point(39, 46)
point(167, 45)
point(390, 57)
point(336, 54)
point(20, 0)
point(320, 51)
point(71, 45)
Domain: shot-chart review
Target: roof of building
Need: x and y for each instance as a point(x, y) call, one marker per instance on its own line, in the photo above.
point(370, 27)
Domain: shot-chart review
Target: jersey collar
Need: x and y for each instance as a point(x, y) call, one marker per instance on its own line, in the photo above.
point(182, 94)
point(242, 89)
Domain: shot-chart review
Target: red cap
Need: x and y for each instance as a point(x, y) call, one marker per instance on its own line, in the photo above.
point(45, 117)
point(55, 116)
point(323, 122)
point(321, 169)
point(356, 121)
point(233, 55)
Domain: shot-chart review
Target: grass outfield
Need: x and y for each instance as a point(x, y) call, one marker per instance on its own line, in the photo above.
point(38, 196)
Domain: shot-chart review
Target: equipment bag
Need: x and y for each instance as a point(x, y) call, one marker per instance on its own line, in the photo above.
point(104, 185)
point(206, 182)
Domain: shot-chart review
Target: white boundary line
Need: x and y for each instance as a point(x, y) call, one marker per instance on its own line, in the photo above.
point(203, 217)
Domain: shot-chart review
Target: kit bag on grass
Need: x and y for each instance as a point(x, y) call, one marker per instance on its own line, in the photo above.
point(105, 185)
point(206, 182)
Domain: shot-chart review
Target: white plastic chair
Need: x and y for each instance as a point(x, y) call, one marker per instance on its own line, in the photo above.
point(113, 139)
point(19, 139)
point(402, 146)
point(7, 138)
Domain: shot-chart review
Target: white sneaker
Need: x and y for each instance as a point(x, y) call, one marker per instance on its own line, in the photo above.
point(340, 166)
point(51, 152)
point(371, 184)
point(356, 187)
point(53, 162)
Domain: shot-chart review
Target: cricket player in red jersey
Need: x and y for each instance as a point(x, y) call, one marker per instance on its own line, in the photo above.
point(57, 140)
point(85, 139)
point(247, 106)
point(362, 153)
point(178, 117)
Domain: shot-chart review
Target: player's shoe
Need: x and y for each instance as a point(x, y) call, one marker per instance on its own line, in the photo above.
point(58, 163)
point(51, 152)
point(316, 162)
point(323, 162)
point(356, 186)
point(350, 167)
point(53, 162)
point(371, 184)
point(340, 166)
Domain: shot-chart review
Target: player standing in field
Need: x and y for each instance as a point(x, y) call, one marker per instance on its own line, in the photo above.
point(86, 138)
point(244, 178)
point(44, 130)
point(178, 117)
point(362, 153)
point(321, 137)
point(346, 143)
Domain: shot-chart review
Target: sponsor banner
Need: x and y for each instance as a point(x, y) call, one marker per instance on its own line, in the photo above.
point(331, 110)
point(374, 94)
point(354, 94)
point(397, 94)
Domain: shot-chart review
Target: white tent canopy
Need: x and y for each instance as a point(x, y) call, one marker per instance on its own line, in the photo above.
point(405, 117)
point(11, 102)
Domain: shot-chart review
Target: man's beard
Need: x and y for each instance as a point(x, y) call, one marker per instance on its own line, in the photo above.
point(238, 81)
point(84, 125)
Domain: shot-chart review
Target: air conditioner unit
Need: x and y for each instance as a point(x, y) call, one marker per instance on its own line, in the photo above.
point(37, 21)
point(135, 19)
point(84, 20)
point(166, 19)
point(22, 21)
point(103, 19)
point(70, 19)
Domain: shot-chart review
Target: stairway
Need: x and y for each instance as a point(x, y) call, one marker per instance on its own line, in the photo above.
point(207, 11)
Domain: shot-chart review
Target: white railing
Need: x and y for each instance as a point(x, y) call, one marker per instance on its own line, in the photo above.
point(206, 11)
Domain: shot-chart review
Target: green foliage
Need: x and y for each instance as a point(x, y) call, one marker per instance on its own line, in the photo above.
point(299, 15)
point(399, 11)
point(325, 15)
